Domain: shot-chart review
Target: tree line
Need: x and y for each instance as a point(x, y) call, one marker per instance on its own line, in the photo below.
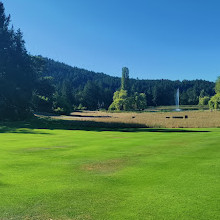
point(83, 89)
point(33, 83)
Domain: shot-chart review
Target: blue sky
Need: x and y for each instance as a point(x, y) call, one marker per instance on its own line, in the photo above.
point(169, 39)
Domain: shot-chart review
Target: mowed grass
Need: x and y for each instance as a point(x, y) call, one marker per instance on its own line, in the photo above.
point(127, 174)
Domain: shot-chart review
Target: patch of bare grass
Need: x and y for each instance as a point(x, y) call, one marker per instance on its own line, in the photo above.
point(108, 166)
point(35, 149)
point(83, 217)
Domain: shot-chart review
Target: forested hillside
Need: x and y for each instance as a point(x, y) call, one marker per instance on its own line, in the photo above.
point(93, 90)
point(33, 83)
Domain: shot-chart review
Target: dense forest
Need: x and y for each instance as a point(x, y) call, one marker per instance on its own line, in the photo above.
point(92, 90)
point(34, 83)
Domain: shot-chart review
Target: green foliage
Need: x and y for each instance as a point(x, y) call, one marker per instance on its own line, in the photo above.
point(217, 85)
point(43, 95)
point(122, 101)
point(158, 92)
point(44, 86)
point(61, 111)
point(140, 101)
point(80, 107)
point(202, 93)
point(204, 100)
point(125, 79)
point(61, 104)
point(17, 76)
point(42, 103)
point(90, 95)
point(214, 102)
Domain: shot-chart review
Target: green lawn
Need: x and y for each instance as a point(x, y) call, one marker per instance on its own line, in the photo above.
point(94, 174)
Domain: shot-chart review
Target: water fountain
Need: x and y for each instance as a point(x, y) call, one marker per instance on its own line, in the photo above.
point(177, 100)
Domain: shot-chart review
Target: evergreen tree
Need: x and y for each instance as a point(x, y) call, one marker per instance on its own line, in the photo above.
point(16, 73)
point(125, 79)
point(43, 94)
point(91, 96)
point(62, 99)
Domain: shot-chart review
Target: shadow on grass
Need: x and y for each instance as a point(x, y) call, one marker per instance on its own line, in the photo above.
point(90, 116)
point(9, 128)
point(27, 127)
point(2, 185)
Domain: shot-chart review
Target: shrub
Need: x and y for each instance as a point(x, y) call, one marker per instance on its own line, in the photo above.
point(214, 102)
point(204, 100)
point(123, 101)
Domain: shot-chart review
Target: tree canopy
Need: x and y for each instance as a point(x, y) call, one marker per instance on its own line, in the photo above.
point(217, 85)
point(125, 79)
point(16, 72)
point(157, 92)
point(124, 99)
point(214, 102)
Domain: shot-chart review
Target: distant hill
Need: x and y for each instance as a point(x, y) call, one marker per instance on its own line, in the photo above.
point(80, 82)
point(78, 76)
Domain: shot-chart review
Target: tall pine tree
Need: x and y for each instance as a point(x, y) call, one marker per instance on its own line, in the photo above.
point(16, 72)
point(125, 79)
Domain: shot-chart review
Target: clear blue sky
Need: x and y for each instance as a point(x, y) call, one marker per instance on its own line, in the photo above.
point(169, 39)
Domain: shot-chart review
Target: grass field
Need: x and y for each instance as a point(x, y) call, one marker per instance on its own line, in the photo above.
point(54, 173)
point(196, 119)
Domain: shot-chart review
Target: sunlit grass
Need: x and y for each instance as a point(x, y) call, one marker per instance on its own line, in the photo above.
point(78, 174)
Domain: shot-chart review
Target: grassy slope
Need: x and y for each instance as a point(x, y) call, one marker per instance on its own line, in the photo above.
point(78, 174)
